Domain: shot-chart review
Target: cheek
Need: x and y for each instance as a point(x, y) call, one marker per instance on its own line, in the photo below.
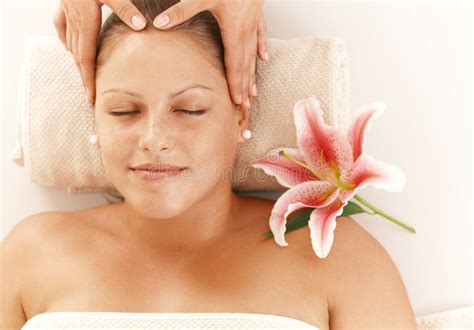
point(115, 145)
point(112, 135)
point(217, 143)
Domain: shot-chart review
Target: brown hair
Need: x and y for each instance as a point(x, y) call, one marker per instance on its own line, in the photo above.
point(203, 29)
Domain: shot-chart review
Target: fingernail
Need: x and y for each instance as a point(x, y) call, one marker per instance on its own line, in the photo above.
point(138, 22)
point(254, 90)
point(247, 102)
point(266, 56)
point(161, 21)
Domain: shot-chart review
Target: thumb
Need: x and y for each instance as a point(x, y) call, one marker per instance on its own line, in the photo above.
point(128, 13)
point(179, 13)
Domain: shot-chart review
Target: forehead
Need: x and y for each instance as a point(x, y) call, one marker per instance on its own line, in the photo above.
point(156, 59)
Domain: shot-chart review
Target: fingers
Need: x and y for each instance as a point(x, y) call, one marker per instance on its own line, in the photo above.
point(234, 63)
point(69, 37)
point(256, 45)
point(179, 13)
point(83, 21)
point(78, 24)
point(74, 42)
point(128, 13)
point(262, 39)
point(250, 44)
point(86, 52)
point(248, 76)
point(245, 75)
point(60, 25)
point(253, 59)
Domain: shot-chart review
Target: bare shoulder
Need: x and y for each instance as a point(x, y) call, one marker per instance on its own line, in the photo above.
point(27, 229)
point(29, 235)
point(38, 231)
point(366, 288)
point(33, 231)
point(18, 249)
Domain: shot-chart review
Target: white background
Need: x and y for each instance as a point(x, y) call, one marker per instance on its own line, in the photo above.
point(414, 56)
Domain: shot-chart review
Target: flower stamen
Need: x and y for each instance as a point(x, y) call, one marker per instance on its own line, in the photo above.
point(322, 173)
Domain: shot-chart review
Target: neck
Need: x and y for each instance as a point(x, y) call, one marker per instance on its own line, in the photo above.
point(205, 222)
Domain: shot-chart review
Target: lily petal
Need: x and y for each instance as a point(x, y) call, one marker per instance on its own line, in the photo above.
point(322, 224)
point(364, 116)
point(322, 145)
point(369, 171)
point(286, 172)
point(306, 194)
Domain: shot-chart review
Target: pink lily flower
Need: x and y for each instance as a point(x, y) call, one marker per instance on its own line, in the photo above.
point(325, 171)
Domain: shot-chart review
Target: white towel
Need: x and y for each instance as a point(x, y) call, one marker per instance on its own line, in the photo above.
point(455, 319)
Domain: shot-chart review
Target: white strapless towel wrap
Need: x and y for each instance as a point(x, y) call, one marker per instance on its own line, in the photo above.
point(453, 319)
point(116, 320)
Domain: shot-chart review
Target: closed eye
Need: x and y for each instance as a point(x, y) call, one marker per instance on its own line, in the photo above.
point(192, 113)
point(122, 113)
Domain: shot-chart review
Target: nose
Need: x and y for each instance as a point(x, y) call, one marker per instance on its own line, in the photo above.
point(155, 135)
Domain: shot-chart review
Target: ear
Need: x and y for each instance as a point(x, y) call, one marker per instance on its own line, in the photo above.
point(244, 121)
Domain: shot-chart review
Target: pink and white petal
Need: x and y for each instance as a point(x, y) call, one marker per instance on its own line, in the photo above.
point(315, 139)
point(346, 195)
point(363, 118)
point(286, 172)
point(278, 222)
point(322, 224)
point(306, 194)
point(369, 171)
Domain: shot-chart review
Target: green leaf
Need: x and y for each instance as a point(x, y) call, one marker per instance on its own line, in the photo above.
point(351, 208)
point(301, 220)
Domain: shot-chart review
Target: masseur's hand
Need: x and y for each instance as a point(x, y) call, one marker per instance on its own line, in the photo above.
point(242, 26)
point(78, 25)
point(243, 31)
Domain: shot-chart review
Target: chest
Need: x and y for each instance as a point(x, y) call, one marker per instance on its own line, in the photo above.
point(257, 277)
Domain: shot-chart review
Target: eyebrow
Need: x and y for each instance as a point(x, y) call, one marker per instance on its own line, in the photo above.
point(171, 95)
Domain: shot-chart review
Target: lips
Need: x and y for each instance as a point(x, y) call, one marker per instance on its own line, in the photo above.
point(157, 167)
point(157, 171)
point(154, 175)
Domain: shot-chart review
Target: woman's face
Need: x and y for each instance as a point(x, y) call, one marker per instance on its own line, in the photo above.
point(140, 118)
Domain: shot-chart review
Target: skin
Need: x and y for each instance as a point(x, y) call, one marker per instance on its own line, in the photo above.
point(242, 25)
point(198, 207)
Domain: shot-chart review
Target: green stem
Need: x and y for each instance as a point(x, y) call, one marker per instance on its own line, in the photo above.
point(385, 215)
point(368, 212)
point(336, 182)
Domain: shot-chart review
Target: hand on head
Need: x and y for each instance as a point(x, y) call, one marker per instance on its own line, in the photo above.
point(242, 26)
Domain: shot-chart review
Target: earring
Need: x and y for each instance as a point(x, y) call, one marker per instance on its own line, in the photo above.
point(93, 138)
point(247, 134)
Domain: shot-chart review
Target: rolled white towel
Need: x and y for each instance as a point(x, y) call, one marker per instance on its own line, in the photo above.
point(54, 121)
